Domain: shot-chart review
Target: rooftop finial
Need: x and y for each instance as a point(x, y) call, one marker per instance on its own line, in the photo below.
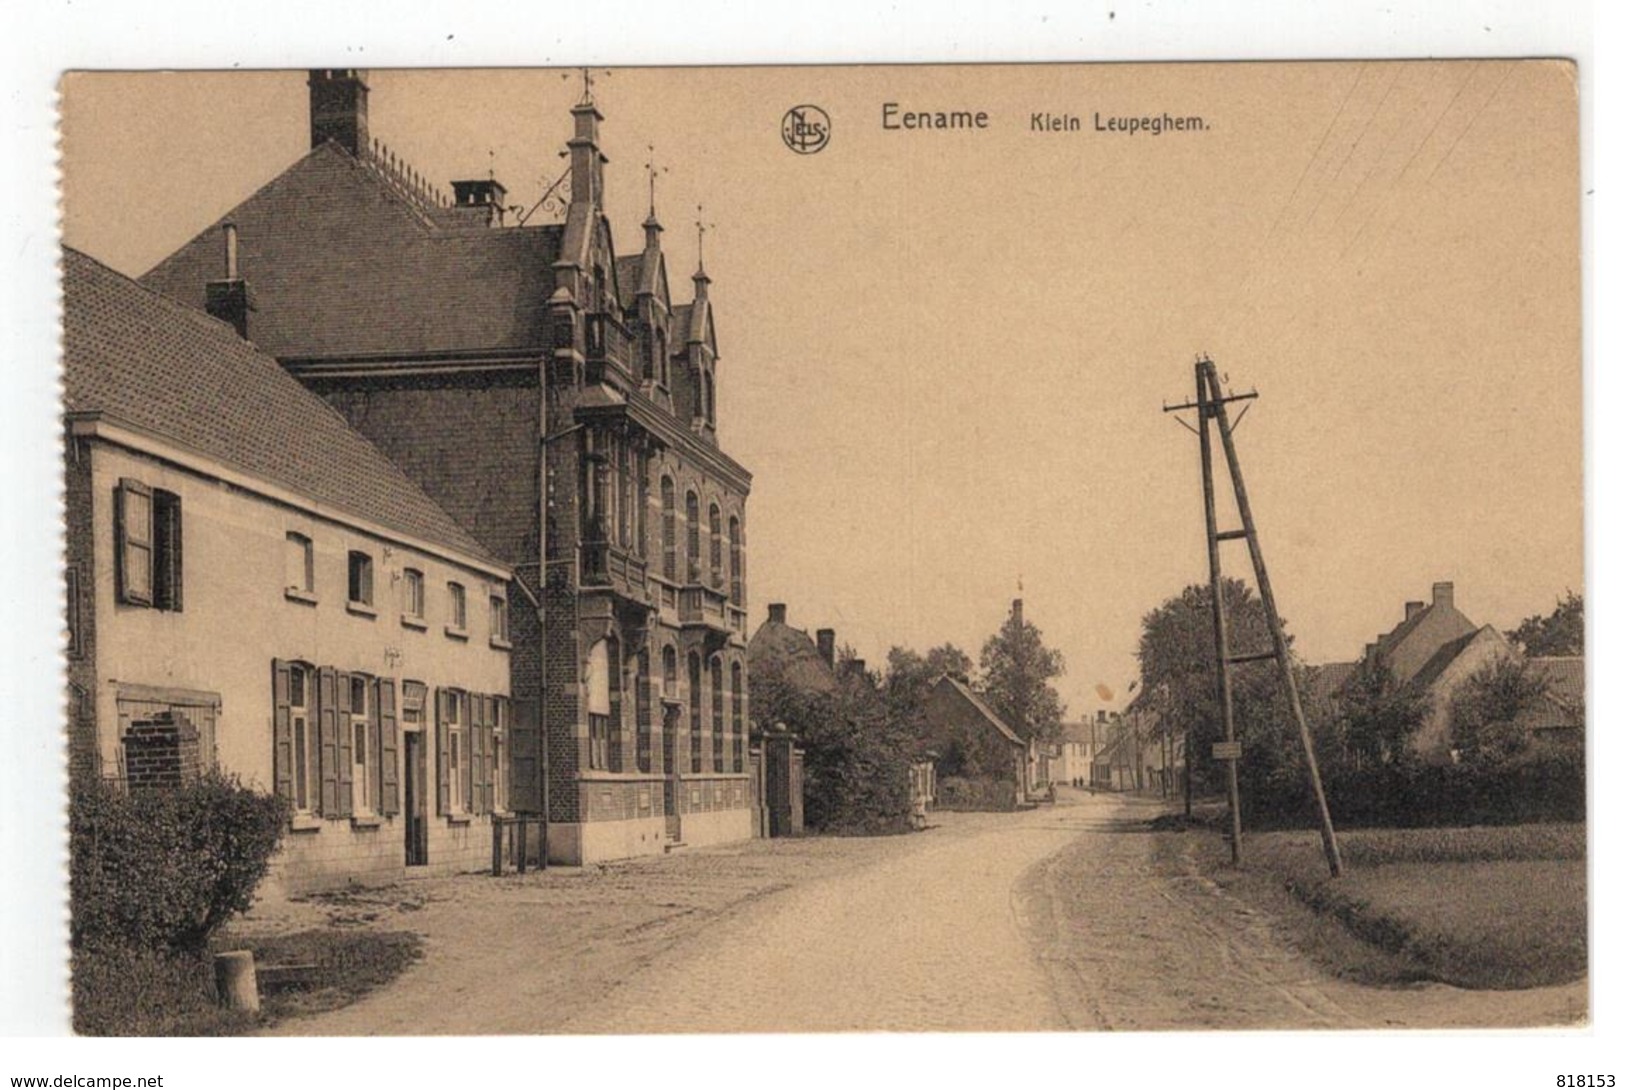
point(586, 86)
point(701, 226)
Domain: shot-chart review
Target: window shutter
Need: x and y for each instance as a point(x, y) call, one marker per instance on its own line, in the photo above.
point(346, 748)
point(281, 731)
point(491, 752)
point(476, 751)
point(443, 751)
point(471, 762)
point(132, 534)
point(388, 748)
point(327, 728)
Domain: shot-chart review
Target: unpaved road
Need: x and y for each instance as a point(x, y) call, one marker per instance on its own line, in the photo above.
point(1068, 917)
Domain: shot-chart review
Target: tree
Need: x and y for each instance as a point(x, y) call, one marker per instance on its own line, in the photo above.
point(1379, 715)
point(1179, 663)
point(857, 758)
point(1562, 632)
point(1016, 673)
point(1485, 711)
point(909, 677)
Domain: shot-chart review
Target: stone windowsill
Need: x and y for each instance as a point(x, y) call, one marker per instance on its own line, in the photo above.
point(459, 819)
point(361, 609)
point(296, 594)
point(305, 823)
point(455, 633)
point(418, 623)
point(501, 644)
point(365, 821)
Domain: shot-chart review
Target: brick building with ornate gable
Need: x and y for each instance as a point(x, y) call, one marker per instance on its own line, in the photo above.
point(552, 397)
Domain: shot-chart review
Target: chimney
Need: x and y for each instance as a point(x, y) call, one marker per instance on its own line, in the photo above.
point(586, 161)
point(854, 668)
point(228, 299)
point(1100, 716)
point(1015, 612)
point(338, 108)
point(1413, 608)
point(776, 613)
point(826, 646)
point(1370, 649)
point(1444, 595)
point(479, 202)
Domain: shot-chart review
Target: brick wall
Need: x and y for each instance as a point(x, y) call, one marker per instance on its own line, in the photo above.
point(161, 752)
point(469, 441)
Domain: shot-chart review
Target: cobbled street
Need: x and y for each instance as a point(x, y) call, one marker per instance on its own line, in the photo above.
point(1075, 916)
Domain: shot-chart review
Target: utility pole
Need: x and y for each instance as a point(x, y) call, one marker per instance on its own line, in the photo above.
point(1211, 404)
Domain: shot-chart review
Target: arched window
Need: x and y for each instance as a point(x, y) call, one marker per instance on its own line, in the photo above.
point(692, 510)
point(708, 385)
point(645, 714)
point(736, 557)
point(737, 687)
point(695, 705)
point(668, 670)
point(716, 546)
point(668, 528)
point(662, 358)
point(717, 719)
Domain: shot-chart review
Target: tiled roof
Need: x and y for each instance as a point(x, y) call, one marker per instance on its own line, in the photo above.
point(628, 272)
point(981, 706)
point(1083, 733)
point(1567, 675)
point(1327, 680)
point(149, 363)
point(341, 264)
point(792, 653)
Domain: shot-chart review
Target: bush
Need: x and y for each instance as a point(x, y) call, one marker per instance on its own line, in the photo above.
point(1545, 783)
point(959, 793)
point(125, 991)
point(162, 870)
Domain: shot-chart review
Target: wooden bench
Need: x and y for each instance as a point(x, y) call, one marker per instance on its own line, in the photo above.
point(275, 977)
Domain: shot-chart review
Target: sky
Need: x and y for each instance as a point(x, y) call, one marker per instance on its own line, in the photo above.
point(945, 354)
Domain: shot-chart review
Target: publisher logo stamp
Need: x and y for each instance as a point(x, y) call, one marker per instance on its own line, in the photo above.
point(805, 129)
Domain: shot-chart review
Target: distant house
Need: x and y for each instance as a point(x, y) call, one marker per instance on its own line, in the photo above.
point(1117, 757)
point(1433, 650)
point(1075, 753)
point(1442, 675)
point(975, 745)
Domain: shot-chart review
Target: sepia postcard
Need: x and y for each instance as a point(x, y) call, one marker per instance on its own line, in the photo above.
point(845, 548)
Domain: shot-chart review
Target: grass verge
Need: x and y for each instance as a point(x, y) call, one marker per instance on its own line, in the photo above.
point(1501, 907)
point(123, 992)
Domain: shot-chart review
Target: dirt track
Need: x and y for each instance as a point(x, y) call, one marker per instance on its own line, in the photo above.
point(1073, 916)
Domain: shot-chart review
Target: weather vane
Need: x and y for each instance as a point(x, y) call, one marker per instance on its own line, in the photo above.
point(653, 170)
point(701, 226)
